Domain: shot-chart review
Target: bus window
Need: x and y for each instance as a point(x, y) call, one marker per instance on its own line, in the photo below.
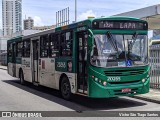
point(26, 48)
point(9, 50)
point(66, 44)
point(44, 46)
point(19, 49)
point(54, 45)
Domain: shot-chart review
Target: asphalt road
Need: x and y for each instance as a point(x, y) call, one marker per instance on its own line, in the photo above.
point(17, 97)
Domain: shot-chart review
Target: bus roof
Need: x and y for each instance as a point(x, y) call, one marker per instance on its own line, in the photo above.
point(89, 20)
point(15, 39)
point(39, 33)
point(86, 22)
point(118, 18)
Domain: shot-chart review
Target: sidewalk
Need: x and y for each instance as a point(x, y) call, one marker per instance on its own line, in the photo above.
point(3, 67)
point(152, 96)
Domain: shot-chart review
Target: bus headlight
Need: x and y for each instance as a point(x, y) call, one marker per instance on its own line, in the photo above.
point(96, 79)
point(104, 83)
point(143, 80)
point(101, 82)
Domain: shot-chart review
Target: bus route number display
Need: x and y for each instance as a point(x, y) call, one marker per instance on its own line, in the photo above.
point(133, 25)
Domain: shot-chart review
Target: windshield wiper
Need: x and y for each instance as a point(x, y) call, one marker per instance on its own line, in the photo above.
point(134, 37)
point(112, 41)
point(130, 45)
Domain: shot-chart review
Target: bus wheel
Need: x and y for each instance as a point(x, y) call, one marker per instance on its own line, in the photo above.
point(65, 88)
point(21, 77)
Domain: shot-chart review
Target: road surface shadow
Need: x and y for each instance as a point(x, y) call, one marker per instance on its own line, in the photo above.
point(78, 103)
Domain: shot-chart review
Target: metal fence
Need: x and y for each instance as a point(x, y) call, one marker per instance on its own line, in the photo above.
point(154, 61)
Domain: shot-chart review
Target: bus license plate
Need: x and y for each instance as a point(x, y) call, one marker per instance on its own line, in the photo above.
point(126, 90)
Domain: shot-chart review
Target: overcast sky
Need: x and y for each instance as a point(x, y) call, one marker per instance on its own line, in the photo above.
point(44, 11)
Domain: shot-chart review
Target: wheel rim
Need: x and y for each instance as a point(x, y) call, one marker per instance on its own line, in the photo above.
point(65, 89)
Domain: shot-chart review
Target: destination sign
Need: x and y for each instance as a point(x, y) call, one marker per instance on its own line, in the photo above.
point(109, 24)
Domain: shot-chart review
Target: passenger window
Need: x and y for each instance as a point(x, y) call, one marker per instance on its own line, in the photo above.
point(19, 49)
point(66, 44)
point(44, 46)
point(54, 45)
point(26, 48)
point(10, 50)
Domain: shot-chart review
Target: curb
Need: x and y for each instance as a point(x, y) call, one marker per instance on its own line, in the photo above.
point(3, 69)
point(147, 99)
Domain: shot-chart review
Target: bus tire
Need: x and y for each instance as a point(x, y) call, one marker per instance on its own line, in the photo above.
point(65, 88)
point(21, 77)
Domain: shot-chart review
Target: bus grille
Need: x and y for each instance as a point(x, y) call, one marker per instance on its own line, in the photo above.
point(124, 72)
point(125, 82)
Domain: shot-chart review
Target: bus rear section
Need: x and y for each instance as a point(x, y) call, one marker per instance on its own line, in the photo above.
point(14, 54)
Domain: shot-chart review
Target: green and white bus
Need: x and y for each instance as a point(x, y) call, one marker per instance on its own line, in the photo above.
point(98, 58)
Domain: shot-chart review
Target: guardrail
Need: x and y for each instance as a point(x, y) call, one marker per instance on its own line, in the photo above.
point(154, 61)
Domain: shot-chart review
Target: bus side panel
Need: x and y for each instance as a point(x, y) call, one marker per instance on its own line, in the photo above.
point(71, 77)
point(10, 69)
point(26, 67)
point(47, 72)
point(18, 66)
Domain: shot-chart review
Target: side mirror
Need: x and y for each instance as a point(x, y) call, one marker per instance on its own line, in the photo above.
point(93, 59)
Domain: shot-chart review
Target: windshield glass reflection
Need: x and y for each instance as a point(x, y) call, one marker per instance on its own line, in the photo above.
point(118, 50)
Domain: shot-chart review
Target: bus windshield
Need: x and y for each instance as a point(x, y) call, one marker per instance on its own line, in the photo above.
point(119, 50)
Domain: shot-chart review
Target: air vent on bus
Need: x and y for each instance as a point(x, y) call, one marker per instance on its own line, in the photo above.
point(124, 72)
point(125, 82)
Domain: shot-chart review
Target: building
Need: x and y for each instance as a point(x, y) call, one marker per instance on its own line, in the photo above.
point(28, 23)
point(3, 50)
point(156, 32)
point(1, 33)
point(42, 28)
point(151, 14)
point(11, 16)
point(3, 43)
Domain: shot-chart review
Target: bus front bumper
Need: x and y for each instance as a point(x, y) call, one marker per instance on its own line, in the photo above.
point(98, 91)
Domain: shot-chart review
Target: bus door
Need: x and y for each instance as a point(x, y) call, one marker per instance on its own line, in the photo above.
point(35, 57)
point(82, 62)
point(14, 60)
